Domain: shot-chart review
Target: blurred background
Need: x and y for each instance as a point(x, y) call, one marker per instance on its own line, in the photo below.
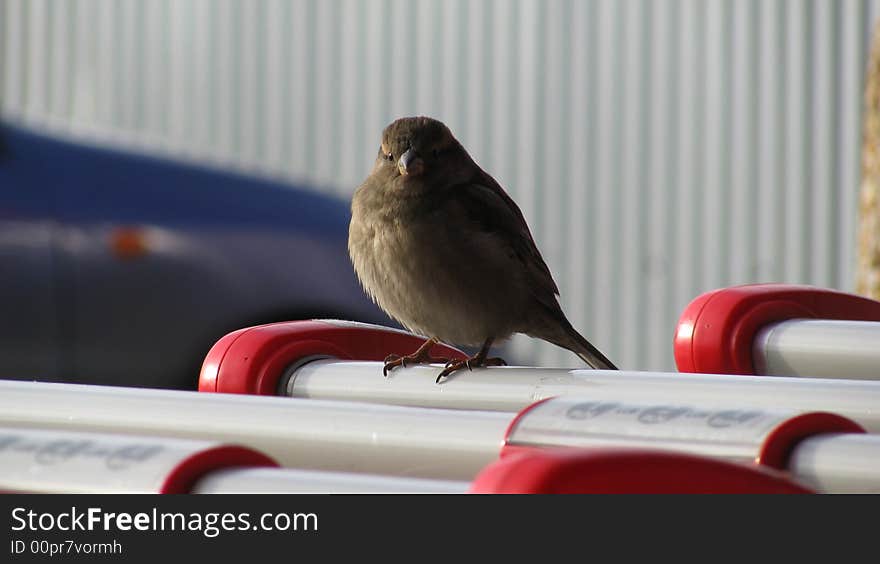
point(658, 148)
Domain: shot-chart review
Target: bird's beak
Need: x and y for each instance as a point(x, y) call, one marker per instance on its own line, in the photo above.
point(410, 163)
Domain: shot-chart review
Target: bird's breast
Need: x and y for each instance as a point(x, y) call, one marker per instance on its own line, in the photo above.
point(434, 278)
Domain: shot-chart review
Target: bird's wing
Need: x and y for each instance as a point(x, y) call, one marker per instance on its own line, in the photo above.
point(488, 205)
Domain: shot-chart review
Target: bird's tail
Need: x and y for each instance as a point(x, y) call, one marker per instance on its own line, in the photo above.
point(567, 337)
point(594, 357)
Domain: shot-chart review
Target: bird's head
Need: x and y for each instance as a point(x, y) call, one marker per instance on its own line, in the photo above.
point(420, 149)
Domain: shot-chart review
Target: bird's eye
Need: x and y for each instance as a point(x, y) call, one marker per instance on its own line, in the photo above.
point(389, 157)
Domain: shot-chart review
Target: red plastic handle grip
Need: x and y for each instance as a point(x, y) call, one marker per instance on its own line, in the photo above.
point(716, 330)
point(252, 360)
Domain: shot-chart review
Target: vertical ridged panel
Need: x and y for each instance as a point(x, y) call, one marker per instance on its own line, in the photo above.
point(658, 148)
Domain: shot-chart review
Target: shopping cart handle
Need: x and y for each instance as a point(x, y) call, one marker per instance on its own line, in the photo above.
point(716, 331)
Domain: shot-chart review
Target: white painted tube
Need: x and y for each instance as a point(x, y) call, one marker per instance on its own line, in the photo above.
point(55, 461)
point(819, 348)
point(823, 451)
point(510, 388)
point(289, 480)
point(738, 434)
point(838, 463)
point(351, 437)
point(401, 441)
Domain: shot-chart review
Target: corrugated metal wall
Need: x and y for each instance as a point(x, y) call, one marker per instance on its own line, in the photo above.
point(658, 148)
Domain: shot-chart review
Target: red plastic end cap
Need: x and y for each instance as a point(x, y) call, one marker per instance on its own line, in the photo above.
point(781, 442)
point(716, 330)
point(183, 477)
point(507, 448)
point(252, 360)
point(622, 471)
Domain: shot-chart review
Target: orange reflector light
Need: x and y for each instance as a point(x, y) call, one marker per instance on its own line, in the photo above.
point(128, 242)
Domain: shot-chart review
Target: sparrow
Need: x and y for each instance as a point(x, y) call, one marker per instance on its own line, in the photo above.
point(443, 249)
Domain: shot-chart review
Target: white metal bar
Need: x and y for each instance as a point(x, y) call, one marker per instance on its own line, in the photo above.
point(831, 459)
point(414, 442)
point(513, 388)
point(733, 433)
point(820, 348)
point(59, 461)
point(309, 434)
point(846, 463)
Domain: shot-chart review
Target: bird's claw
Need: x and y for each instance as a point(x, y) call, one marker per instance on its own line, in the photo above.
point(470, 364)
point(453, 366)
point(392, 361)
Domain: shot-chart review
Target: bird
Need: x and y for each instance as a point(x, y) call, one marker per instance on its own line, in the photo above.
point(439, 245)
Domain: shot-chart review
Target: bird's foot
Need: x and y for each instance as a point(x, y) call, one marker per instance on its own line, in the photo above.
point(421, 356)
point(475, 361)
point(392, 361)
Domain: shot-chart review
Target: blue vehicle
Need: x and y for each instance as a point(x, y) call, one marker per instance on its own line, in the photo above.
point(122, 269)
